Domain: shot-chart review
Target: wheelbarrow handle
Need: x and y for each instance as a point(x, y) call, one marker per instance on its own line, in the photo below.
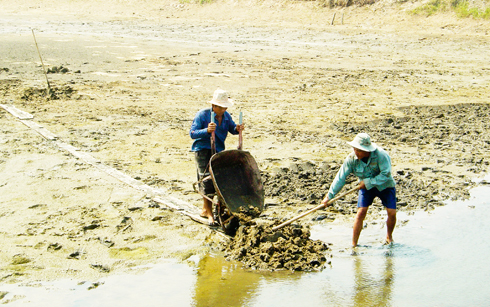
point(194, 185)
point(314, 209)
point(240, 138)
point(213, 143)
point(240, 141)
point(213, 136)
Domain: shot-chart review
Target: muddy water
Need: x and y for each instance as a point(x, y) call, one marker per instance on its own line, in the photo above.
point(439, 260)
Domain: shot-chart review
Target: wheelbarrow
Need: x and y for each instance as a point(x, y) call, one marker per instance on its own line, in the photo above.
point(238, 184)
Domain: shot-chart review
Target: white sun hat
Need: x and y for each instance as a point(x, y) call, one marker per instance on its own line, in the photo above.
point(221, 98)
point(362, 141)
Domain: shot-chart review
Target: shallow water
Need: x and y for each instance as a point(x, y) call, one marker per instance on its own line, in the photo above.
point(439, 260)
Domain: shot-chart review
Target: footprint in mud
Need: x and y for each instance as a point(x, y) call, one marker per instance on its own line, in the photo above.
point(95, 285)
point(90, 227)
point(76, 255)
point(54, 247)
point(125, 224)
point(106, 242)
point(56, 70)
point(20, 259)
point(101, 268)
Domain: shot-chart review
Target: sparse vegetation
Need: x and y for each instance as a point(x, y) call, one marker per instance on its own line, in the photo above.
point(344, 3)
point(461, 8)
point(196, 1)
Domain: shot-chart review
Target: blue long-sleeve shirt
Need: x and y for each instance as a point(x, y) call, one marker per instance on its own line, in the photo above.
point(199, 130)
point(376, 173)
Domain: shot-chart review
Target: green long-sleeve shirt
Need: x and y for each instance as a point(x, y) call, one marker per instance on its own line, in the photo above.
point(376, 173)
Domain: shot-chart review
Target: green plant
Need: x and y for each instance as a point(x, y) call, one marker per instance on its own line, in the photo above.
point(463, 10)
point(428, 9)
point(460, 7)
point(486, 13)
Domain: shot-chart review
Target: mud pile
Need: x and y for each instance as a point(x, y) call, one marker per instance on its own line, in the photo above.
point(53, 93)
point(305, 182)
point(449, 141)
point(442, 128)
point(246, 215)
point(289, 248)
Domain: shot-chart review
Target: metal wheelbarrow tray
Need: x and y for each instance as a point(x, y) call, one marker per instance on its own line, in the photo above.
point(237, 181)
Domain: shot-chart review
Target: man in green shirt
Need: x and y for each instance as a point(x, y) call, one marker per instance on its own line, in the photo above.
point(372, 165)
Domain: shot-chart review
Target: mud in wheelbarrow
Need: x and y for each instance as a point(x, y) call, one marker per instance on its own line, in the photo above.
point(238, 185)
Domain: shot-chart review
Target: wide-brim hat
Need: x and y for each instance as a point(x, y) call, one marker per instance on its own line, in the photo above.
point(362, 141)
point(221, 98)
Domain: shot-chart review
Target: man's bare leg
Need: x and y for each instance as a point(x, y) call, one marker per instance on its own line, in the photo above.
point(207, 210)
point(390, 224)
point(358, 223)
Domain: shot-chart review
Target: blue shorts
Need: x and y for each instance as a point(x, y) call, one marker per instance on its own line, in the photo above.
point(387, 196)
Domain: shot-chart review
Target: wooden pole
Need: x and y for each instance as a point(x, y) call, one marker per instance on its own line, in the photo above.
point(42, 63)
point(333, 17)
point(213, 140)
point(314, 209)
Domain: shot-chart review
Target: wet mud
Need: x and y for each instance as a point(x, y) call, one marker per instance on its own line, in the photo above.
point(451, 140)
point(258, 247)
point(127, 85)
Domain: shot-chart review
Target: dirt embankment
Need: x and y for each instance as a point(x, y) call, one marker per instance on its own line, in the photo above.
point(129, 79)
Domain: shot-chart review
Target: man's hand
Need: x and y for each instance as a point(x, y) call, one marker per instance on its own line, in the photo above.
point(325, 201)
point(240, 127)
point(211, 127)
point(362, 185)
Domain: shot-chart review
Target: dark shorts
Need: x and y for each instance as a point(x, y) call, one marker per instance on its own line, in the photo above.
point(202, 158)
point(387, 196)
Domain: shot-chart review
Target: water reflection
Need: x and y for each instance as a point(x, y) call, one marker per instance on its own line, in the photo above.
point(223, 283)
point(373, 289)
point(227, 283)
point(441, 262)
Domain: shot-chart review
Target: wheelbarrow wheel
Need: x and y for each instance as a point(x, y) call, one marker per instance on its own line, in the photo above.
point(229, 223)
point(232, 226)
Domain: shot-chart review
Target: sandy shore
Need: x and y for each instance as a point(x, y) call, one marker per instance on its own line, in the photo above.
point(137, 74)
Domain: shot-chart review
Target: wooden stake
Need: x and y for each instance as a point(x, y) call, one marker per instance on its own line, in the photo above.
point(333, 17)
point(42, 63)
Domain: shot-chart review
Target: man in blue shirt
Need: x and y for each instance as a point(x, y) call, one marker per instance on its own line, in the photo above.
point(372, 165)
point(201, 131)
